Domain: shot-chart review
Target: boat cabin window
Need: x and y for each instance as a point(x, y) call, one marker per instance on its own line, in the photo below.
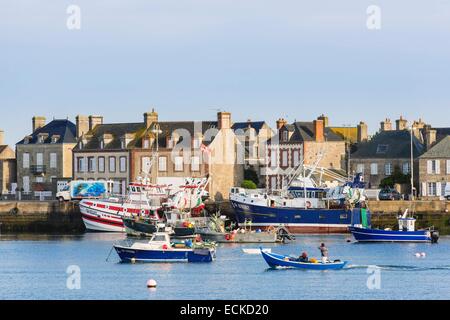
point(159, 238)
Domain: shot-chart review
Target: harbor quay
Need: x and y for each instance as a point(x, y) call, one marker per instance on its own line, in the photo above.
point(65, 217)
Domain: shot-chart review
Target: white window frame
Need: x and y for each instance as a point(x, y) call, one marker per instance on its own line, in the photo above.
point(448, 167)
point(26, 183)
point(195, 163)
point(178, 164)
point(112, 164)
point(91, 164)
point(162, 164)
point(39, 159)
point(284, 158)
point(26, 160)
point(296, 158)
point(101, 164)
point(406, 168)
point(123, 164)
point(146, 164)
point(53, 160)
point(360, 168)
point(374, 169)
point(388, 169)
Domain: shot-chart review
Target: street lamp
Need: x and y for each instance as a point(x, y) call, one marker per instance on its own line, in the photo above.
point(156, 131)
point(412, 164)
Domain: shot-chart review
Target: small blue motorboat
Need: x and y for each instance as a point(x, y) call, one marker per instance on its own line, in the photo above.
point(281, 261)
point(160, 249)
point(406, 232)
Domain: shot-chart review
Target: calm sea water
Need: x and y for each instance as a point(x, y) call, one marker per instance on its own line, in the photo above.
point(34, 267)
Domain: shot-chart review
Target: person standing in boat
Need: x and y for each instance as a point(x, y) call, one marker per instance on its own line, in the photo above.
point(324, 253)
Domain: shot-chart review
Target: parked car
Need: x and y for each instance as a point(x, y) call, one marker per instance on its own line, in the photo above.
point(389, 194)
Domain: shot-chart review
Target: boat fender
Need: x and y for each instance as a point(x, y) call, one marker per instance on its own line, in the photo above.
point(227, 237)
point(165, 247)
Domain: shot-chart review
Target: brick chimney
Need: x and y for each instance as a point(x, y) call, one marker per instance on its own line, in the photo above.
point(150, 117)
point(82, 123)
point(95, 121)
point(362, 132)
point(2, 137)
point(324, 119)
point(224, 120)
point(401, 124)
point(38, 122)
point(430, 136)
point(318, 130)
point(281, 123)
point(386, 125)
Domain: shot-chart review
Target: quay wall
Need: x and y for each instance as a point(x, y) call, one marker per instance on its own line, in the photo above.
point(40, 216)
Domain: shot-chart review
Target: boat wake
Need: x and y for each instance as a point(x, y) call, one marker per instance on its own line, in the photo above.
point(397, 267)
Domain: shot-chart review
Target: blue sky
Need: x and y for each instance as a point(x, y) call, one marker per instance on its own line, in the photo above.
point(259, 59)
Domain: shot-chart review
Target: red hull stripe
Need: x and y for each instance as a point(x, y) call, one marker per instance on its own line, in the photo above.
point(104, 221)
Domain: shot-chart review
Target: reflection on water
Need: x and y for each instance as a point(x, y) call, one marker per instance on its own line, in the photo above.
point(34, 267)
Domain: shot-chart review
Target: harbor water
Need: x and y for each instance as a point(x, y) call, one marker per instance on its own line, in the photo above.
point(75, 267)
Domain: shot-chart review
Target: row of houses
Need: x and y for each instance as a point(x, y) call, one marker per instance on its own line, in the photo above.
point(170, 151)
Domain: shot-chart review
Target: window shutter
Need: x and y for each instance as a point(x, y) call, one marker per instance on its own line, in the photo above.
point(438, 166)
point(424, 189)
point(438, 189)
point(448, 166)
point(429, 167)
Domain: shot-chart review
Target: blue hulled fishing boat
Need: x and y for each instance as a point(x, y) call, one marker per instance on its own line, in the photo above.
point(406, 232)
point(281, 261)
point(161, 249)
point(304, 208)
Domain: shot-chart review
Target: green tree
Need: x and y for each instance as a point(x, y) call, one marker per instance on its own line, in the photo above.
point(248, 184)
point(397, 177)
point(250, 174)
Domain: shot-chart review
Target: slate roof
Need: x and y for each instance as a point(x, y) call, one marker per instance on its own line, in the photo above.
point(389, 145)
point(257, 125)
point(64, 128)
point(304, 131)
point(439, 150)
point(118, 130)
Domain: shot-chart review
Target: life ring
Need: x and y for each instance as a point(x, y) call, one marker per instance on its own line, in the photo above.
point(308, 204)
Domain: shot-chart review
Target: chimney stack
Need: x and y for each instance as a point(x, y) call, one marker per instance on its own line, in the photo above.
point(324, 119)
point(150, 117)
point(82, 123)
point(95, 121)
point(2, 137)
point(318, 131)
point(430, 137)
point(224, 120)
point(401, 124)
point(362, 132)
point(38, 122)
point(386, 125)
point(281, 123)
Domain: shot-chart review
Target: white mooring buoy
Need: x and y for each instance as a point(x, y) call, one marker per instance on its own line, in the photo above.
point(151, 283)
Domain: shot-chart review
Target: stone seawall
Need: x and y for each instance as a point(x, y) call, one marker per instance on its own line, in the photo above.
point(36, 216)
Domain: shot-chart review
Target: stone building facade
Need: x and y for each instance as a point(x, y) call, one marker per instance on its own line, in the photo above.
point(103, 151)
point(388, 150)
point(8, 174)
point(45, 155)
point(302, 142)
point(170, 152)
point(434, 169)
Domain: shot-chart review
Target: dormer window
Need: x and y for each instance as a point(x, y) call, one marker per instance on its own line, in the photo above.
point(285, 136)
point(55, 138)
point(382, 148)
point(27, 140)
point(146, 143)
point(123, 144)
point(102, 144)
